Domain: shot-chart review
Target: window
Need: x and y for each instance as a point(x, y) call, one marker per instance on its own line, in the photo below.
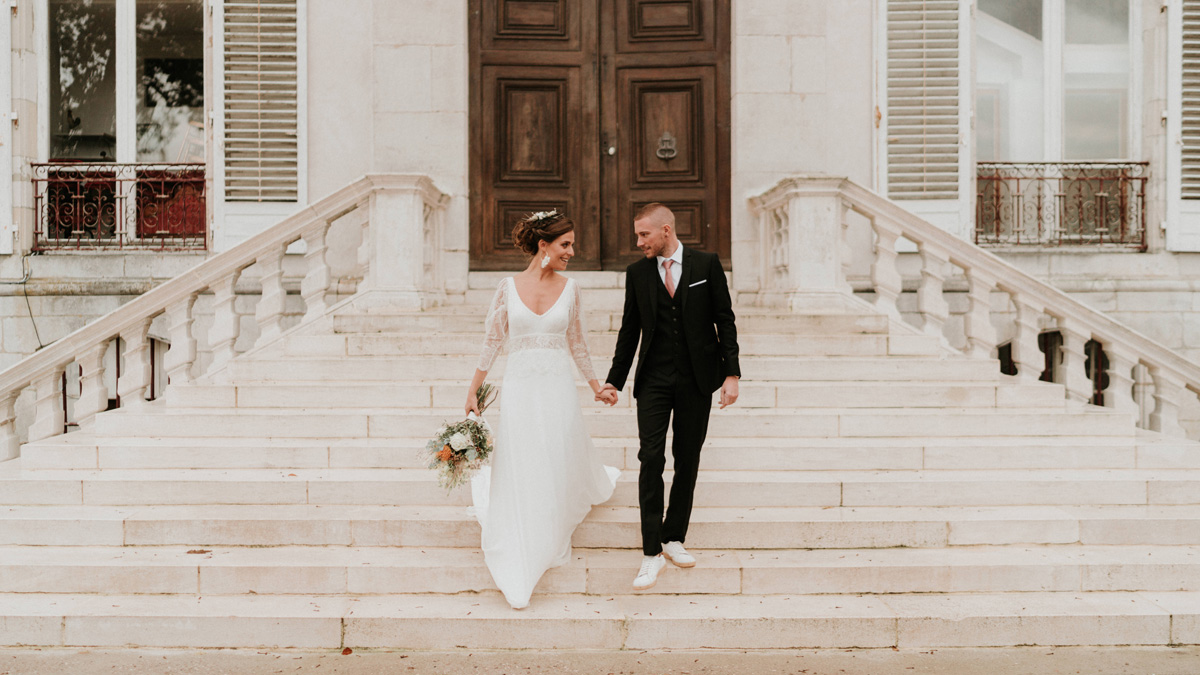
point(83, 93)
point(1054, 80)
point(126, 116)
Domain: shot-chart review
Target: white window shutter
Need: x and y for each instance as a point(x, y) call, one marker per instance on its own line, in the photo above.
point(1190, 113)
point(1183, 125)
point(923, 99)
point(261, 118)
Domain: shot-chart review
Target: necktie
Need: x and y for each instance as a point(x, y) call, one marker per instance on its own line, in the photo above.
point(670, 278)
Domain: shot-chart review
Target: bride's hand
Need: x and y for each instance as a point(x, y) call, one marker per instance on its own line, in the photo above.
point(472, 405)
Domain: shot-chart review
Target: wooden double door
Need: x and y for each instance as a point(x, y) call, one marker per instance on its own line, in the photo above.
point(595, 108)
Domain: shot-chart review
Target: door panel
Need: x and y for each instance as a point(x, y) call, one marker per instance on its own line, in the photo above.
point(655, 26)
point(538, 25)
point(661, 113)
point(534, 97)
point(669, 116)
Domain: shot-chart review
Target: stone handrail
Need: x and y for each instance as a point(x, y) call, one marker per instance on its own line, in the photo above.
point(400, 214)
point(804, 223)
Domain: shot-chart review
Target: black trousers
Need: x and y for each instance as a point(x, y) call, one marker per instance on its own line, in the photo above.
point(666, 392)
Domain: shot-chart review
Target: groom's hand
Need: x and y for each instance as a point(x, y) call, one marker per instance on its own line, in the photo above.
point(607, 394)
point(729, 391)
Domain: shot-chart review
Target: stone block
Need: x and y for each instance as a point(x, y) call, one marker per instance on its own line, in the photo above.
point(430, 143)
point(1028, 619)
point(808, 65)
point(778, 132)
point(450, 77)
point(763, 63)
point(308, 632)
point(420, 22)
point(779, 17)
point(403, 79)
point(30, 631)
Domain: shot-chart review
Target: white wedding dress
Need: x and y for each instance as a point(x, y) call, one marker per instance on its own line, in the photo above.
point(545, 473)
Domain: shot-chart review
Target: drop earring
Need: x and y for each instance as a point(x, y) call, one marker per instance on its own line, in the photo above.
point(545, 261)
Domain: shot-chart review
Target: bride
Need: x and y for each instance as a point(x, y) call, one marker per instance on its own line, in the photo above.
point(545, 474)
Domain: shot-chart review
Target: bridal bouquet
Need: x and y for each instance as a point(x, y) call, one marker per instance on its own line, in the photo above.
point(460, 448)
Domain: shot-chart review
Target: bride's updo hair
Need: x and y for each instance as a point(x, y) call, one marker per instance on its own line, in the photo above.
point(542, 226)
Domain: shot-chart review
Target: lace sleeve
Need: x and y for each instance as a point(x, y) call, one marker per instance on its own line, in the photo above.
point(495, 328)
point(577, 337)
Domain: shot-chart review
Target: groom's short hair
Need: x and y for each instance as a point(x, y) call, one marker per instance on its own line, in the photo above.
point(658, 212)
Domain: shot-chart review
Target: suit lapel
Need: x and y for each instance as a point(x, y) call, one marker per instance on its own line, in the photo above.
point(685, 277)
point(651, 275)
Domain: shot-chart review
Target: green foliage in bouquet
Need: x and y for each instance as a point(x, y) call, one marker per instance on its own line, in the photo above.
point(461, 448)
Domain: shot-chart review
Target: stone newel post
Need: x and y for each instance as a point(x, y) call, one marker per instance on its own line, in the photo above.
point(405, 221)
point(800, 231)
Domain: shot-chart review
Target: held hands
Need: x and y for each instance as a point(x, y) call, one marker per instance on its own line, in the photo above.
point(607, 394)
point(729, 391)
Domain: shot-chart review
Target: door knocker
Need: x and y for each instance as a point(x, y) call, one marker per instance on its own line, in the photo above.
point(666, 147)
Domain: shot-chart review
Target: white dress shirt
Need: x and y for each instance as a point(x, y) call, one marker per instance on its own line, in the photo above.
point(676, 267)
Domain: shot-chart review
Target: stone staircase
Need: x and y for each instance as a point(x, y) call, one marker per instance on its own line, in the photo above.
point(869, 489)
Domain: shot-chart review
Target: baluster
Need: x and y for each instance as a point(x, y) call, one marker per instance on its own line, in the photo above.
point(364, 247)
point(847, 249)
point(885, 277)
point(93, 395)
point(269, 312)
point(1168, 390)
point(1074, 362)
point(50, 418)
point(226, 325)
point(10, 443)
point(315, 286)
point(977, 324)
point(134, 383)
point(1119, 394)
point(181, 356)
point(930, 299)
point(1025, 353)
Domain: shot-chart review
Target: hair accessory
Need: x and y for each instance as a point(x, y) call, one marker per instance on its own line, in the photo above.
point(543, 215)
point(545, 261)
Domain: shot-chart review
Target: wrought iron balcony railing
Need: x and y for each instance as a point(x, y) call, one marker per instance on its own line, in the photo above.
point(1061, 204)
point(115, 206)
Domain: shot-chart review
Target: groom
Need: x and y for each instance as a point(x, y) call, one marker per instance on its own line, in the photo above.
point(678, 300)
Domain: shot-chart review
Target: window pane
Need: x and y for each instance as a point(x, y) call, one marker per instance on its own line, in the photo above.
point(1097, 22)
point(1096, 71)
point(170, 75)
point(83, 100)
point(1009, 89)
point(1094, 125)
point(1024, 15)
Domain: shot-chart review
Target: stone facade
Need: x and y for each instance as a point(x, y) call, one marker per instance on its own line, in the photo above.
point(386, 91)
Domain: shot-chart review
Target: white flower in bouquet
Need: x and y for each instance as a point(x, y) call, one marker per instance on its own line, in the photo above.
point(460, 441)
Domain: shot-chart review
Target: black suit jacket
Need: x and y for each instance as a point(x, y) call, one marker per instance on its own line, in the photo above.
point(708, 320)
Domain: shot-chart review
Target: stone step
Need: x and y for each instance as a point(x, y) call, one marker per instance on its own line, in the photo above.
point(406, 369)
point(751, 394)
point(158, 420)
point(307, 570)
point(749, 345)
point(484, 621)
point(469, 320)
point(748, 489)
point(81, 450)
point(605, 527)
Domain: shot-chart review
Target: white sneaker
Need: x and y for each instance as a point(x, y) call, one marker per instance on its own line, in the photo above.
point(648, 575)
point(676, 553)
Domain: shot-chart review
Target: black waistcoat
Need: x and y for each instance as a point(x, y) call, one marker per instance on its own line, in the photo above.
point(668, 350)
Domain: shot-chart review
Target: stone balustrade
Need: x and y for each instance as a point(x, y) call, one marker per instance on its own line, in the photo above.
point(806, 231)
point(401, 218)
